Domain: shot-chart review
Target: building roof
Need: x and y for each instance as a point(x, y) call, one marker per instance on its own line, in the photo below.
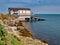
point(19, 9)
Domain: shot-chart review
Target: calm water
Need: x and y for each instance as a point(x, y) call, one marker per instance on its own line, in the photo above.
point(48, 30)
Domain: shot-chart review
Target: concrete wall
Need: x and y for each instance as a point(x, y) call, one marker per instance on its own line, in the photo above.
point(23, 17)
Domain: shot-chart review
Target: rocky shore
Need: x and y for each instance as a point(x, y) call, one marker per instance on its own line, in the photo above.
point(15, 27)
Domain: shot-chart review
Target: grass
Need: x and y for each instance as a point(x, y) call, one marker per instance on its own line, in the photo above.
point(13, 40)
point(6, 16)
point(8, 39)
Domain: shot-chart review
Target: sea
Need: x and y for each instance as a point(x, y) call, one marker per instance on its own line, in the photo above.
point(48, 30)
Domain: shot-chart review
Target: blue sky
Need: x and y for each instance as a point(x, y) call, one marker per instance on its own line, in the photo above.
point(37, 6)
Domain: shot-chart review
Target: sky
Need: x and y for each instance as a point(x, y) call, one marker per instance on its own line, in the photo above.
point(37, 6)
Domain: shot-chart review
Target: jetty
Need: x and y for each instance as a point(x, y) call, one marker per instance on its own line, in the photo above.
point(37, 19)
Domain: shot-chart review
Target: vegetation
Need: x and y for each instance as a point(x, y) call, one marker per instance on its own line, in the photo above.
point(26, 33)
point(19, 23)
point(3, 35)
point(13, 40)
point(6, 16)
point(8, 39)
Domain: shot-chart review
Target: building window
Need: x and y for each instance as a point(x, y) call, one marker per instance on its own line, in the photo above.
point(20, 12)
point(15, 13)
point(23, 12)
point(15, 10)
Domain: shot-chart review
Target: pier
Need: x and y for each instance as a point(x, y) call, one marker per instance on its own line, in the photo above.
point(34, 18)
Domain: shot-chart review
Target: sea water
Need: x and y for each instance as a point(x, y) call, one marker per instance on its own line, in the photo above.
point(48, 30)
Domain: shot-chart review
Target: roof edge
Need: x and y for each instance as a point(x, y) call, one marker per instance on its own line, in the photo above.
point(19, 9)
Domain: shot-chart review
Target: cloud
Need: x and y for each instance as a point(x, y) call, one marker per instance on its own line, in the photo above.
point(38, 6)
point(38, 2)
point(32, 2)
point(46, 9)
point(49, 2)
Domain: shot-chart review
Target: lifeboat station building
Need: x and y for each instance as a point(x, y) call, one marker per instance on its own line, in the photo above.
point(21, 13)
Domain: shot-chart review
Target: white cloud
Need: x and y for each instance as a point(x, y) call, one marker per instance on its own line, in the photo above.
point(46, 9)
point(37, 6)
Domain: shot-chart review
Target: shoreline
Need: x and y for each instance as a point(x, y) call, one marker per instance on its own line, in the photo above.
point(25, 32)
point(31, 35)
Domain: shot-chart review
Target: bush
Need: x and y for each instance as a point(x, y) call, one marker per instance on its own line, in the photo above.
point(2, 43)
point(3, 32)
point(8, 39)
point(6, 16)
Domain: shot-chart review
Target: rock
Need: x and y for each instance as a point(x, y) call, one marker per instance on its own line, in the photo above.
point(1, 22)
point(30, 41)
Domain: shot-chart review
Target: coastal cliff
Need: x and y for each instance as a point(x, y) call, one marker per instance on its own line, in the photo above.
point(17, 34)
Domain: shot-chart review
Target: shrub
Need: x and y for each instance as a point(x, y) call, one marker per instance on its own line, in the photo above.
point(3, 32)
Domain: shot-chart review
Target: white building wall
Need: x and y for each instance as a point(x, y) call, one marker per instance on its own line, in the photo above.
point(24, 12)
point(21, 12)
point(12, 12)
point(27, 14)
point(23, 17)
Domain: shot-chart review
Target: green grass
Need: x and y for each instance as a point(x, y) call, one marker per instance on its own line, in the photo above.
point(13, 40)
point(8, 39)
point(2, 42)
